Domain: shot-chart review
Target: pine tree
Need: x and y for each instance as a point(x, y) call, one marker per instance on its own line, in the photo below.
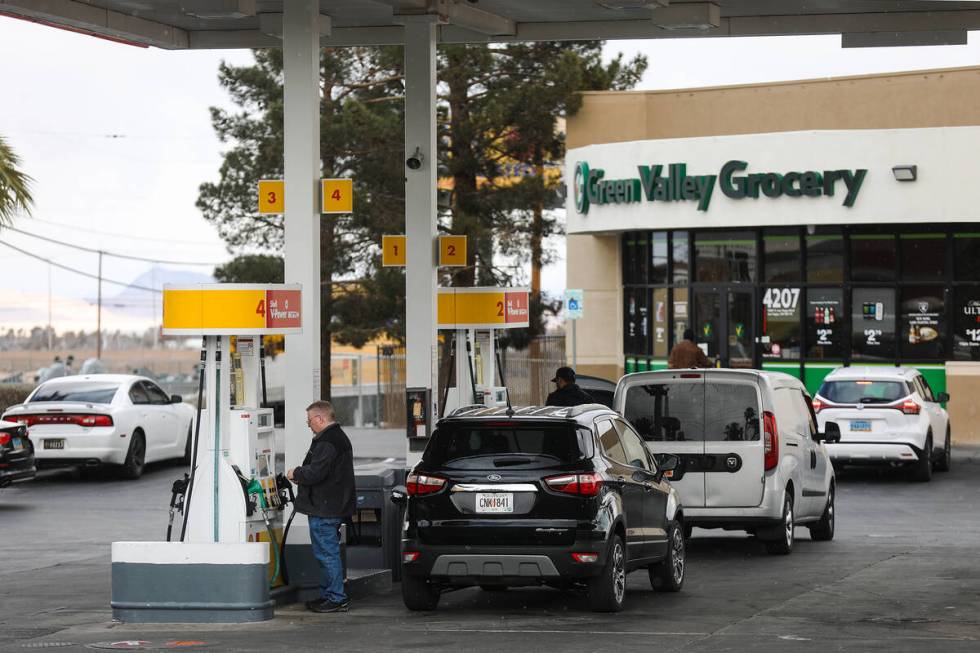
point(361, 126)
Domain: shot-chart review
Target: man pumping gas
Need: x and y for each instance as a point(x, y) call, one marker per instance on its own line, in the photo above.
point(326, 495)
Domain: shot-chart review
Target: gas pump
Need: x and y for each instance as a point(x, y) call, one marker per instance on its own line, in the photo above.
point(232, 494)
point(476, 359)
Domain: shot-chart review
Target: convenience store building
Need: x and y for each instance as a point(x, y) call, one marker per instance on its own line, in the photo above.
point(793, 226)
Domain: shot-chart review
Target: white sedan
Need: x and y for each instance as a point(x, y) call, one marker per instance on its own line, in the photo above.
point(115, 419)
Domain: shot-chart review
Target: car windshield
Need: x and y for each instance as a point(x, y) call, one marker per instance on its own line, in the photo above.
point(478, 446)
point(88, 392)
point(863, 392)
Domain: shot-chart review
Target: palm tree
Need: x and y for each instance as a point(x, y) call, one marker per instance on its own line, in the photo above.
point(15, 194)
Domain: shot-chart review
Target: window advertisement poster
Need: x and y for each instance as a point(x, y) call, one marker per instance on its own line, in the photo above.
point(922, 329)
point(780, 337)
point(660, 325)
point(681, 318)
point(873, 323)
point(631, 315)
point(966, 327)
point(825, 323)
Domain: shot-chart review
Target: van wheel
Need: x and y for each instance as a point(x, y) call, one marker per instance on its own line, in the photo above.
point(783, 545)
point(607, 591)
point(823, 530)
point(132, 469)
point(419, 594)
point(945, 462)
point(922, 471)
point(668, 575)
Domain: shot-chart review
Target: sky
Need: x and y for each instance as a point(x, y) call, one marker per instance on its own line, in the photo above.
point(118, 139)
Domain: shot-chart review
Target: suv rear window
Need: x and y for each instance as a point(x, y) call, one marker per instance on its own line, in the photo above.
point(84, 392)
point(477, 446)
point(677, 412)
point(863, 392)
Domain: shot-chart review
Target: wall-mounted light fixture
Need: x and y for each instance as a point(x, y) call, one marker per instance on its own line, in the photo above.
point(905, 173)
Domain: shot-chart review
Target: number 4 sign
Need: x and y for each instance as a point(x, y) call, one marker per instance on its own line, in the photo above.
point(336, 195)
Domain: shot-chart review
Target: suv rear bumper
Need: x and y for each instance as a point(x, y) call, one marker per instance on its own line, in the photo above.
point(518, 565)
point(870, 453)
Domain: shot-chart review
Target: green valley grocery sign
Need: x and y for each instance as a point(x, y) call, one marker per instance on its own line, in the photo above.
point(652, 185)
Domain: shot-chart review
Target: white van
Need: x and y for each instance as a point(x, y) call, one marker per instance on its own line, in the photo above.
point(751, 456)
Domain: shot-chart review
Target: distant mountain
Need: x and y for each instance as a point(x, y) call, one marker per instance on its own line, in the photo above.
point(155, 277)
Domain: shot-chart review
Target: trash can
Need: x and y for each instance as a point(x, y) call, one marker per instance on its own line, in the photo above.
point(374, 536)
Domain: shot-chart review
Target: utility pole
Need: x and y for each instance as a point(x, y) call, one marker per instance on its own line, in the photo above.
point(50, 334)
point(98, 329)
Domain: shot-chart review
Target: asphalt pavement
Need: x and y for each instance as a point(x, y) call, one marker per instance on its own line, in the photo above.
point(903, 574)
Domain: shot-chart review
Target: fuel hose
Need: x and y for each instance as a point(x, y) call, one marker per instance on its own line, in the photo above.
point(197, 440)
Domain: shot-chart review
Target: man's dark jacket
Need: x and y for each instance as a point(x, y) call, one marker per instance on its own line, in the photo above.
point(326, 478)
point(570, 395)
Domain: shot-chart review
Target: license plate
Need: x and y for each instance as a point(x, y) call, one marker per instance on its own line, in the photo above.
point(494, 502)
point(860, 425)
point(54, 444)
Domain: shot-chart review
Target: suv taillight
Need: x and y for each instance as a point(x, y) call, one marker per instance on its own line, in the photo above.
point(771, 440)
point(4, 439)
point(817, 404)
point(418, 484)
point(909, 407)
point(584, 485)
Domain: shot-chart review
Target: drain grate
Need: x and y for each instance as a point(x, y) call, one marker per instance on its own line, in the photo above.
point(47, 645)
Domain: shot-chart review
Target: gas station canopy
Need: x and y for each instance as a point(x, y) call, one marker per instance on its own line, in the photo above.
point(204, 24)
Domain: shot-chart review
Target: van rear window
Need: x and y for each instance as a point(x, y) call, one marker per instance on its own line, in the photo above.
point(863, 392)
point(676, 412)
point(475, 446)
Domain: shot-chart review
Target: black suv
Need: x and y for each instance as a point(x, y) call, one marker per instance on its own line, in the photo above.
point(539, 496)
point(16, 454)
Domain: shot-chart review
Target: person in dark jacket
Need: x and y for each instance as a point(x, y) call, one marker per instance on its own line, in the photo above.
point(326, 495)
point(686, 354)
point(567, 393)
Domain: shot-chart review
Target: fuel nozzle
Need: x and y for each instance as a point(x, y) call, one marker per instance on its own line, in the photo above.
point(285, 489)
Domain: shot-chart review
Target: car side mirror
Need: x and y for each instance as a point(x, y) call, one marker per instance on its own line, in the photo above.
point(666, 462)
point(942, 397)
point(399, 494)
point(176, 399)
point(831, 432)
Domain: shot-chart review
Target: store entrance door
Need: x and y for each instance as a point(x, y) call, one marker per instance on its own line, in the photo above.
point(724, 324)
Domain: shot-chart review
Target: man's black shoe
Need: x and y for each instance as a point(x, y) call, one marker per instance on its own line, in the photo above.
point(315, 602)
point(330, 606)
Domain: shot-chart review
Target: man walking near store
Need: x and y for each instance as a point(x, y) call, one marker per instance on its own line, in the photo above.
point(567, 393)
point(686, 354)
point(326, 495)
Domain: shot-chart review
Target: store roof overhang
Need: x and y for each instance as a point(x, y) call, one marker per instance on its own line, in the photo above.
point(206, 24)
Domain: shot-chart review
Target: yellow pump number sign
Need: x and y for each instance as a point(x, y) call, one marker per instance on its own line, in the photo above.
point(232, 309)
point(483, 308)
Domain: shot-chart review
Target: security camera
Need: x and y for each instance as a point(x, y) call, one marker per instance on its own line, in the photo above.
point(414, 162)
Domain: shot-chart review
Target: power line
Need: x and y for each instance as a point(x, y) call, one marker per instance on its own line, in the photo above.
point(114, 234)
point(76, 270)
point(106, 253)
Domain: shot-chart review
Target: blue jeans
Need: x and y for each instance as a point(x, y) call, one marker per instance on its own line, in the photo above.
point(325, 537)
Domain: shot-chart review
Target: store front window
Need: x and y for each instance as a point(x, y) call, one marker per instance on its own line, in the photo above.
point(922, 322)
point(923, 256)
point(966, 323)
point(873, 324)
point(682, 320)
point(658, 257)
point(873, 257)
point(636, 334)
point(781, 255)
point(723, 257)
point(680, 253)
point(780, 332)
point(825, 323)
point(824, 257)
point(966, 251)
point(660, 325)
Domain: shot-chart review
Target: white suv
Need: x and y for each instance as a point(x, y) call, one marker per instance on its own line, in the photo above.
point(751, 456)
point(887, 416)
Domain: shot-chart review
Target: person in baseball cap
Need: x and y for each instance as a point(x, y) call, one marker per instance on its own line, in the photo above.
point(567, 393)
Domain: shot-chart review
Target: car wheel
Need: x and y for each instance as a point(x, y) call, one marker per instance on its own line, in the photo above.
point(783, 545)
point(823, 530)
point(607, 591)
point(668, 575)
point(186, 460)
point(419, 594)
point(922, 472)
point(946, 461)
point(132, 469)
